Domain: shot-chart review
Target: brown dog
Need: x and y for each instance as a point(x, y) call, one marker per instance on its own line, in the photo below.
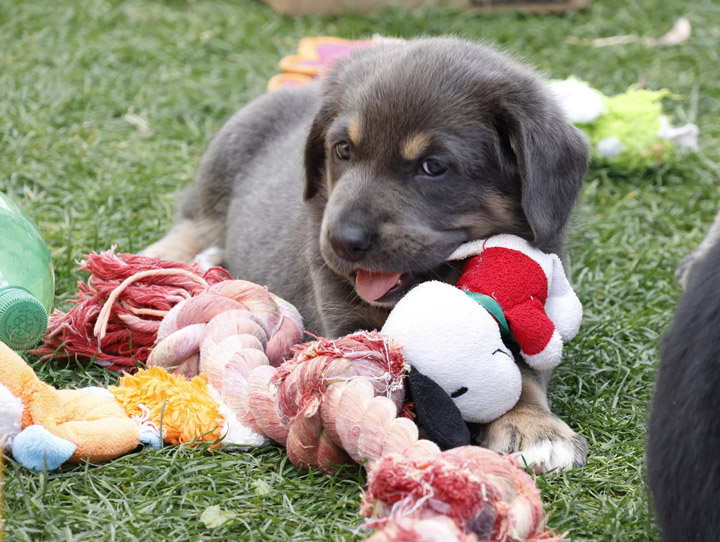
point(344, 194)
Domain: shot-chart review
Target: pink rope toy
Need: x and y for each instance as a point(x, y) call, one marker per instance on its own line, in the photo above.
point(118, 310)
point(486, 495)
point(340, 401)
point(329, 402)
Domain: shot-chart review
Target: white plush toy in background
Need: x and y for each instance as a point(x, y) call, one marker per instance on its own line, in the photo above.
point(628, 130)
point(452, 337)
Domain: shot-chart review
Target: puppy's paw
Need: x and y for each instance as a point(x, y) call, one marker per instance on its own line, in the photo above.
point(159, 250)
point(170, 247)
point(545, 442)
point(182, 243)
point(210, 257)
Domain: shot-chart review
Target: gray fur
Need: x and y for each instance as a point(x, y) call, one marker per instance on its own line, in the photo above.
point(290, 214)
point(491, 119)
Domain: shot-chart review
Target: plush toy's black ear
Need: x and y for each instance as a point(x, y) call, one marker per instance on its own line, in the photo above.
point(436, 413)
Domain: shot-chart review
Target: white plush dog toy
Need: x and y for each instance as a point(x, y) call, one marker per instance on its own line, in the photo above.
point(452, 337)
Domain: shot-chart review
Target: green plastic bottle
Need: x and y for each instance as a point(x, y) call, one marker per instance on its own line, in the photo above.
point(27, 282)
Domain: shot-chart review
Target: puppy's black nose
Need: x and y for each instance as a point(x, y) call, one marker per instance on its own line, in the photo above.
point(351, 243)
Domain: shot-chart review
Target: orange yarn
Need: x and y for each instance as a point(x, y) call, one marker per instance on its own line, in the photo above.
point(186, 408)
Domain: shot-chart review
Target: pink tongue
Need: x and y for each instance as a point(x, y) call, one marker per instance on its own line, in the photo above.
point(372, 286)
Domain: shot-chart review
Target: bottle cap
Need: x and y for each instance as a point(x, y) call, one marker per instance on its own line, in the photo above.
point(23, 319)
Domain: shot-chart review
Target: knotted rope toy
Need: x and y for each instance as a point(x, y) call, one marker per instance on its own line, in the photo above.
point(118, 310)
point(342, 400)
point(333, 402)
point(466, 495)
point(486, 496)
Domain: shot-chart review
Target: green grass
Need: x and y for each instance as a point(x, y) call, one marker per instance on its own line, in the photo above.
point(76, 75)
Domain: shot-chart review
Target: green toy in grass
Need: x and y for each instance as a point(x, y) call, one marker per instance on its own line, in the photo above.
point(628, 130)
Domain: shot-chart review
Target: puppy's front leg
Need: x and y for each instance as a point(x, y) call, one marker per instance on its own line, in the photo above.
point(530, 428)
point(189, 239)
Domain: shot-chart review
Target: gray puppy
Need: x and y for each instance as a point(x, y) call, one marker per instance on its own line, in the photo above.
point(342, 195)
point(683, 466)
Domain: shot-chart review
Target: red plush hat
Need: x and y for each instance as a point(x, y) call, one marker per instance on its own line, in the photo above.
point(540, 306)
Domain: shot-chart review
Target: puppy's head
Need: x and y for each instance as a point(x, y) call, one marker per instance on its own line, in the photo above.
point(418, 148)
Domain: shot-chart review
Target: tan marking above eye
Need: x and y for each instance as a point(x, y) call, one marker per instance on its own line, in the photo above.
point(414, 146)
point(355, 131)
point(502, 208)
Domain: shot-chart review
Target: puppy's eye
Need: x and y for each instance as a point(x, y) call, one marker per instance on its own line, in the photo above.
point(342, 151)
point(433, 168)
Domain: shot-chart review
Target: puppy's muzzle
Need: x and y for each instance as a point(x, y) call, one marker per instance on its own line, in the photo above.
point(351, 243)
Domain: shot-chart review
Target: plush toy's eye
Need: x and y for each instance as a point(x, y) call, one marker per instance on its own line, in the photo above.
point(498, 351)
point(433, 167)
point(342, 151)
point(457, 393)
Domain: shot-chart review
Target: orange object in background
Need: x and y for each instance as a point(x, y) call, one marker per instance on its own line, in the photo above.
point(315, 55)
point(336, 7)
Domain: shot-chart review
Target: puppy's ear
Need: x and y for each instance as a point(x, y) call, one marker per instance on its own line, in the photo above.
point(315, 153)
point(436, 413)
point(550, 156)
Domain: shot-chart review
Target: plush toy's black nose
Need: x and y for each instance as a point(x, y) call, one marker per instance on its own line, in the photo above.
point(349, 242)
